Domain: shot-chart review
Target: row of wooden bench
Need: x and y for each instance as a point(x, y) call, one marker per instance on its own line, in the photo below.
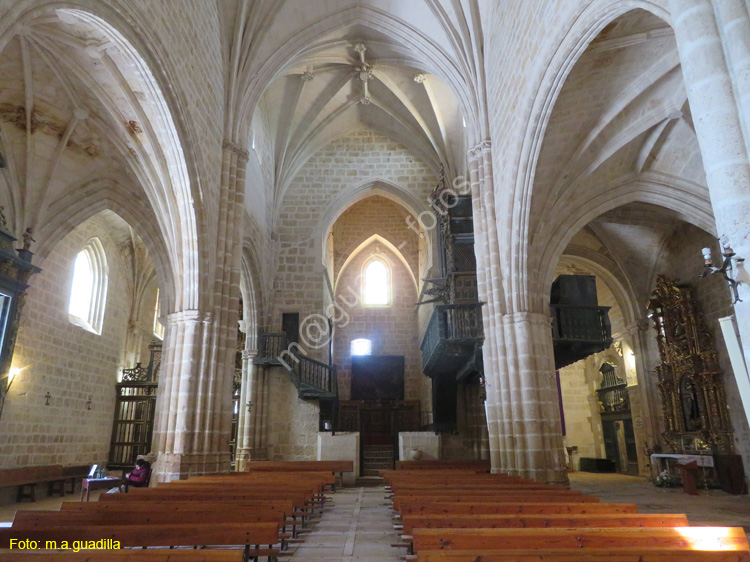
point(468, 515)
point(56, 476)
point(257, 511)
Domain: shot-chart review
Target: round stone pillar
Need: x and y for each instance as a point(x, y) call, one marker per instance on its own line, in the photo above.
point(718, 126)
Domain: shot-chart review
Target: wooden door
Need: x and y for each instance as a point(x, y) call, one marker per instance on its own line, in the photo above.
point(290, 326)
point(377, 377)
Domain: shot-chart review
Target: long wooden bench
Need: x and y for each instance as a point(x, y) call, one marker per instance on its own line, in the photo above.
point(108, 511)
point(245, 535)
point(334, 467)
point(126, 555)
point(630, 539)
point(26, 478)
point(588, 556)
point(73, 473)
point(298, 466)
point(496, 508)
point(189, 516)
point(527, 497)
point(442, 465)
point(411, 522)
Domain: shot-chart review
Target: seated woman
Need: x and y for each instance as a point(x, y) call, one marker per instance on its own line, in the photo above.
point(139, 476)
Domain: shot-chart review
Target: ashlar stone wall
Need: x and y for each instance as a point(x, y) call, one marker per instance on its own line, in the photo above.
point(391, 329)
point(70, 363)
point(357, 159)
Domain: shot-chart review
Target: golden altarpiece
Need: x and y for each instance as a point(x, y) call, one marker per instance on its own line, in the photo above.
point(694, 402)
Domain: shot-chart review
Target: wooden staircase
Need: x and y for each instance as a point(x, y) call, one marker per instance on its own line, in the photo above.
point(313, 379)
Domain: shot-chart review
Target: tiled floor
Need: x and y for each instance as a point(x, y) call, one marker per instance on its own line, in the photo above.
point(710, 507)
point(357, 526)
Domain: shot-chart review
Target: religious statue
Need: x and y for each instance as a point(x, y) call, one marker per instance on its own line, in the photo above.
point(3, 221)
point(27, 239)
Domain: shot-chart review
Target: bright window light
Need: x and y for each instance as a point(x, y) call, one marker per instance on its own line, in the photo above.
point(88, 293)
point(83, 287)
point(376, 289)
point(158, 326)
point(361, 347)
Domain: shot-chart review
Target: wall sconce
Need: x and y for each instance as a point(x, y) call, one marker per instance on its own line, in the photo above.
point(11, 376)
point(47, 397)
point(88, 403)
point(249, 406)
point(726, 268)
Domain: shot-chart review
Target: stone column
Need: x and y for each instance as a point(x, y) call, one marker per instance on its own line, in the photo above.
point(733, 19)
point(718, 126)
point(523, 415)
point(182, 378)
point(194, 408)
point(245, 441)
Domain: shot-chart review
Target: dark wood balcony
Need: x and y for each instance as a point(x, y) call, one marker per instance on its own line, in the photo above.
point(579, 331)
point(452, 339)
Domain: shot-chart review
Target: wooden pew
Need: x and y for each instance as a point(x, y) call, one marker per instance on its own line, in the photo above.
point(527, 497)
point(114, 510)
point(627, 540)
point(235, 534)
point(495, 508)
point(334, 467)
point(442, 465)
point(121, 507)
point(192, 515)
point(126, 555)
point(298, 466)
point(412, 522)
point(588, 556)
point(26, 478)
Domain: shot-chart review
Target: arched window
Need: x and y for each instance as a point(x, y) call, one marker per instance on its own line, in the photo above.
point(361, 346)
point(376, 285)
point(158, 326)
point(88, 293)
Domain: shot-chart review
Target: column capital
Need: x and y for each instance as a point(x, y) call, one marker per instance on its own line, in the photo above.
point(188, 316)
point(242, 153)
point(535, 318)
point(479, 150)
point(249, 353)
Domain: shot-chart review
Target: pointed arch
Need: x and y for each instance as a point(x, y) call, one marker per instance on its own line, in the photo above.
point(383, 188)
point(585, 28)
point(375, 238)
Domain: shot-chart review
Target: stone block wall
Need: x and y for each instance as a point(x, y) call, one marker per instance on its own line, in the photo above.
point(375, 215)
point(391, 329)
point(73, 365)
point(292, 422)
point(357, 159)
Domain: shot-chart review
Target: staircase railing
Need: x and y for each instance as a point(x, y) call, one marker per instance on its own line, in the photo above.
point(273, 348)
point(315, 373)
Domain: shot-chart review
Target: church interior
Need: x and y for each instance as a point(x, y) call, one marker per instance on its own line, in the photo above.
point(469, 233)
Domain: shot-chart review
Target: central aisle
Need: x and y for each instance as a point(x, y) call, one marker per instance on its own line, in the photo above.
point(358, 526)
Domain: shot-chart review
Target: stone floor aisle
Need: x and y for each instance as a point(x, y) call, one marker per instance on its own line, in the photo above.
point(357, 526)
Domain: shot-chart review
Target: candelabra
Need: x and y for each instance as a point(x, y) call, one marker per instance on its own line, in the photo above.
point(726, 269)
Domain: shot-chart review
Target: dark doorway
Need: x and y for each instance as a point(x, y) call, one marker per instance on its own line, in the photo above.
point(378, 387)
point(290, 326)
point(378, 377)
point(619, 444)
